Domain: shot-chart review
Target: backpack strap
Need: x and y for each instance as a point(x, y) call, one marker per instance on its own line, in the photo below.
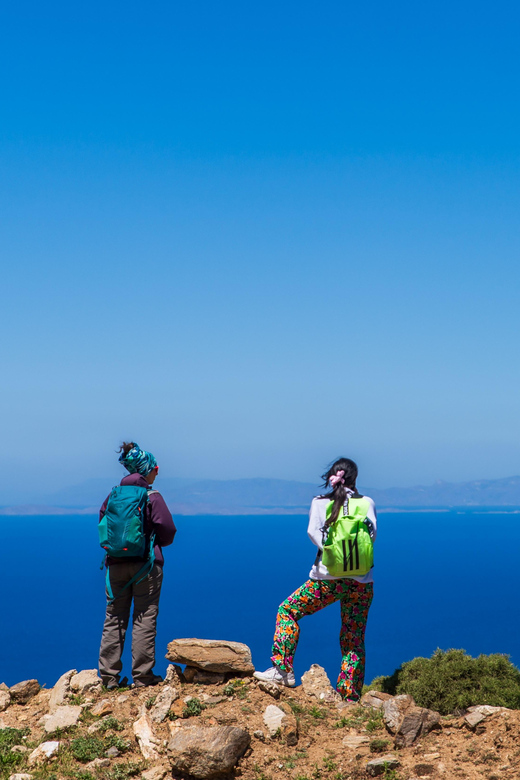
point(143, 572)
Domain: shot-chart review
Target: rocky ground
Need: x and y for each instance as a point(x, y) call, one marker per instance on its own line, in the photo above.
point(225, 724)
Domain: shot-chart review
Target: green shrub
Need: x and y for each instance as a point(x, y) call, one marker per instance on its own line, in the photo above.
point(193, 708)
point(451, 681)
point(8, 739)
point(379, 745)
point(85, 749)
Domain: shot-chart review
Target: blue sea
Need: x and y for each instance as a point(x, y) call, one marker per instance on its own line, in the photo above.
point(442, 579)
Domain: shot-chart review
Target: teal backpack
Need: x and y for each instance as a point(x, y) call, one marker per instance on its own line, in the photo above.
point(121, 531)
point(348, 550)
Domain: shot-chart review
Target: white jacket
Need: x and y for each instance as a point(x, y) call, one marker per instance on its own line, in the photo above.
point(316, 531)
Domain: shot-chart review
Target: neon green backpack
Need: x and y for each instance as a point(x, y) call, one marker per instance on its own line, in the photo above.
point(348, 550)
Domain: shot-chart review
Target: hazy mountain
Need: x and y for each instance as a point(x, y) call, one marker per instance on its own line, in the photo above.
point(260, 496)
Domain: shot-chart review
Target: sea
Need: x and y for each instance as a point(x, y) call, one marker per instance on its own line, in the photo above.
point(443, 579)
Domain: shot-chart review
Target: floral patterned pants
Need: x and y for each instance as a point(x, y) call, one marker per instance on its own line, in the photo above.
point(355, 598)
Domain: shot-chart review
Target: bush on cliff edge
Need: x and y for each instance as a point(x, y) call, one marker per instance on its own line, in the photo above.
point(451, 681)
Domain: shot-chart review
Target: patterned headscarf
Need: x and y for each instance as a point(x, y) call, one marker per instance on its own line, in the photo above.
point(138, 461)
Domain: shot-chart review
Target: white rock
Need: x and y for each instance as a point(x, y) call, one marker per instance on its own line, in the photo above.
point(353, 741)
point(97, 763)
point(155, 773)
point(146, 739)
point(43, 752)
point(5, 700)
point(61, 690)
point(163, 703)
point(85, 680)
point(273, 717)
point(62, 718)
point(20, 776)
point(316, 683)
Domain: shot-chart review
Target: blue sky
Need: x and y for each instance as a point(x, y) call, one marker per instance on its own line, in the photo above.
point(255, 237)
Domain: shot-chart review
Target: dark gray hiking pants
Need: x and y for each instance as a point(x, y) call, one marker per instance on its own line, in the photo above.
point(145, 596)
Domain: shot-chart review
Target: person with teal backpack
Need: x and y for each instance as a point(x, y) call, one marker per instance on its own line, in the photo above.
point(343, 526)
point(134, 525)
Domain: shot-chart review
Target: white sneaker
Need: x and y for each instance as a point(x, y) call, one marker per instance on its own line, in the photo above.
point(274, 674)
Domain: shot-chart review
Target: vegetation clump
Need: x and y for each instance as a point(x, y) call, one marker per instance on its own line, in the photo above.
point(451, 681)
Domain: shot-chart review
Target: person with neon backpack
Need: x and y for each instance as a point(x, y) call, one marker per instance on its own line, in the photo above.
point(134, 525)
point(343, 526)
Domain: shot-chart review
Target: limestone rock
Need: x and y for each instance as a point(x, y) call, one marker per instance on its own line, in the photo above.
point(5, 700)
point(316, 683)
point(97, 763)
point(194, 675)
point(212, 655)
point(277, 720)
point(113, 752)
point(378, 766)
point(103, 707)
point(354, 742)
point(374, 699)
point(394, 710)
point(86, 680)
point(62, 718)
point(20, 749)
point(61, 690)
point(271, 688)
point(407, 721)
point(146, 739)
point(20, 776)
point(174, 675)
point(487, 709)
point(207, 752)
point(479, 712)
point(23, 691)
point(258, 734)
point(163, 703)
point(43, 752)
point(155, 773)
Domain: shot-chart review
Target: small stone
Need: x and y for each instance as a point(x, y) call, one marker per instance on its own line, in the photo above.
point(24, 691)
point(316, 683)
point(374, 699)
point(86, 680)
point(19, 749)
point(62, 718)
point(113, 752)
point(378, 766)
point(174, 675)
point(155, 773)
point(213, 699)
point(103, 707)
point(277, 720)
point(162, 704)
point(43, 752)
point(259, 735)
point(146, 739)
point(431, 756)
point(271, 688)
point(212, 655)
point(273, 717)
point(122, 698)
point(5, 700)
point(20, 776)
point(97, 763)
point(61, 690)
point(354, 742)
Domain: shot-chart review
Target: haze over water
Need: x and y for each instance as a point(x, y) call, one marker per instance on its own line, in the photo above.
point(442, 579)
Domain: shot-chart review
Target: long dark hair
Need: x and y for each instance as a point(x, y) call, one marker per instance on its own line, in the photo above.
point(338, 492)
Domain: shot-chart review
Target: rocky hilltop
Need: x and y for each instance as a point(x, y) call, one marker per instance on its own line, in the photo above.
point(212, 719)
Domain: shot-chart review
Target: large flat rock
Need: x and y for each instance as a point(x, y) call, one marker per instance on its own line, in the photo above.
point(207, 752)
point(212, 655)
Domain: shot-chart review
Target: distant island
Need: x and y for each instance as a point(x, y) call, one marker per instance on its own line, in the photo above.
point(277, 496)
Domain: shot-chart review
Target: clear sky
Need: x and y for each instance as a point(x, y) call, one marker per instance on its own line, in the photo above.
point(255, 236)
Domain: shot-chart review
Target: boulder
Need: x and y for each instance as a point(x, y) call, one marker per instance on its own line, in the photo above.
point(43, 752)
point(174, 675)
point(374, 699)
point(61, 690)
point(212, 655)
point(62, 718)
point(407, 721)
point(5, 699)
point(24, 691)
point(162, 704)
point(316, 683)
point(207, 752)
point(146, 739)
point(378, 766)
point(85, 680)
point(278, 721)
